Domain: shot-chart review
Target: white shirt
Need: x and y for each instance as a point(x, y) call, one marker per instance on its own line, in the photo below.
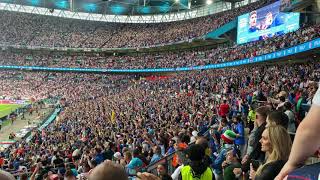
point(176, 173)
point(291, 125)
point(316, 97)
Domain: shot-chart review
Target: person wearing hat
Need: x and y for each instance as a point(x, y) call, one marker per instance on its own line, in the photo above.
point(228, 138)
point(194, 136)
point(117, 157)
point(196, 169)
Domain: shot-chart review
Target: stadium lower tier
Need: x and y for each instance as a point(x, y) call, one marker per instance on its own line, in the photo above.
point(117, 116)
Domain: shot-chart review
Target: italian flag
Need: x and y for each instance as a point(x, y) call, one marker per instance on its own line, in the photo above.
point(8, 142)
point(228, 136)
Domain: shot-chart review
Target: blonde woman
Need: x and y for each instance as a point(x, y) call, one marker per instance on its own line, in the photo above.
point(276, 143)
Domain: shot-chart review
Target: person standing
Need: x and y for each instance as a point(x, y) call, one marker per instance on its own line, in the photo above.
point(292, 119)
point(238, 128)
point(196, 168)
point(224, 108)
point(302, 147)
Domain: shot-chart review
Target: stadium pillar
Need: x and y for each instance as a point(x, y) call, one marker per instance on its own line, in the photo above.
point(233, 5)
point(71, 5)
point(316, 9)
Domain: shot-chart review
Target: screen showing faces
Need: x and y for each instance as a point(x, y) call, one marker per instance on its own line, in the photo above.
point(266, 22)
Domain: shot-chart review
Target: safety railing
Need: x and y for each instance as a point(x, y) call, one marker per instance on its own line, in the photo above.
point(152, 168)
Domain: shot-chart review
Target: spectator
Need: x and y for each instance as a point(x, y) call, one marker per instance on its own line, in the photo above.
point(162, 173)
point(238, 128)
point(196, 169)
point(135, 163)
point(5, 175)
point(277, 118)
point(224, 108)
point(69, 175)
point(302, 147)
point(257, 154)
point(228, 138)
point(156, 154)
point(171, 147)
point(292, 119)
point(276, 143)
point(108, 171)
point(232, 161)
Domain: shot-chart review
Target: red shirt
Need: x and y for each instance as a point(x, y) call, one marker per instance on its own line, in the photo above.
point(20, 151)
point(1, 162)
point(224, 109)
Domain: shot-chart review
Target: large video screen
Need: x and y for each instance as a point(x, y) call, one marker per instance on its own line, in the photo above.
point(266, 22)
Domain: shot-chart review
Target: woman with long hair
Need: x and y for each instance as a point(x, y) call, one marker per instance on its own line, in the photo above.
point(276, 143)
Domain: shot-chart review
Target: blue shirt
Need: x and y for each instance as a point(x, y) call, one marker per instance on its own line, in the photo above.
point(170, 150)
point(239, 129)
point(155, 158)
point(217, 163)
point(16, 164)
point(135, 163)
point(99, 158)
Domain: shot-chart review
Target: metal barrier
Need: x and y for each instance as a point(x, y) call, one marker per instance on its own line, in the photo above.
point(152, 168)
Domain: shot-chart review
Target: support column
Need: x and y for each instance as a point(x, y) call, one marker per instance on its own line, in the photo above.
point(316, 9)
point(233, 5)
point(71, 5)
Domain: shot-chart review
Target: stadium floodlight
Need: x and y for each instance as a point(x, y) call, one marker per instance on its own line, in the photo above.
point(208, 2)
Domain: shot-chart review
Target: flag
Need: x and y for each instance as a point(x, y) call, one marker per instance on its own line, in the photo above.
point(113, 116)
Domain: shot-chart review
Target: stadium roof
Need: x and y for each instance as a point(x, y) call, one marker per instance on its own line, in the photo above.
point(117, 7)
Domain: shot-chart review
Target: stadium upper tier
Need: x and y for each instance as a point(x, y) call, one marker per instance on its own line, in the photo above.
point(164, 60)
point(47, 31)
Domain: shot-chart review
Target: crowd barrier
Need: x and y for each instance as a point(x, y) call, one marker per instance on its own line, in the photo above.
point(8, 101)
point(152, 168)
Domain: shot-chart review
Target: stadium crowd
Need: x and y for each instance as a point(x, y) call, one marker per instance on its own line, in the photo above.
point(168, 59)
point(37, 30)
point(134, 122)
point(235, 123)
